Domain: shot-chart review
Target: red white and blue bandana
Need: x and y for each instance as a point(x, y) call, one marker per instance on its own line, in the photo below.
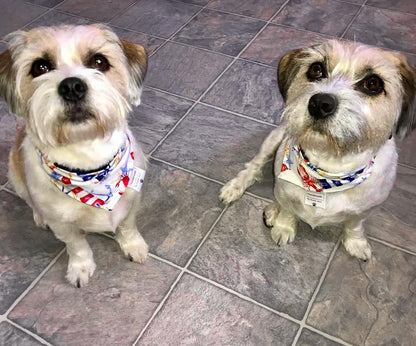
point(103, 188)
point(298, 170)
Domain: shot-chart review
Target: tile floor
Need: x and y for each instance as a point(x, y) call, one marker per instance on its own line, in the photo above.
point(214, 275)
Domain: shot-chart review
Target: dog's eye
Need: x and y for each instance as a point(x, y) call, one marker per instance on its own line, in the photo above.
point(372, 85)
point(316, 71)
point(39, 67)
point(99, 62)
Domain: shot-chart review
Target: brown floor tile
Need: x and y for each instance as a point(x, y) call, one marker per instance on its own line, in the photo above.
point(275, 41)
point(112, 309)
point(263, 9)
point(207, 315)
point(96, 10)
point(369, 303)
point(384, 28)
point(240, 254)
point(321, 16)
point(220, 32)
point(25, 250)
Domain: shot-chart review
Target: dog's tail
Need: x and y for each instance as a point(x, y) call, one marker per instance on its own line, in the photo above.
point(235, 188)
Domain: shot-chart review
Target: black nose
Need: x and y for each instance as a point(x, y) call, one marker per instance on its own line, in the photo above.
point(72, 89)
point(322, 105)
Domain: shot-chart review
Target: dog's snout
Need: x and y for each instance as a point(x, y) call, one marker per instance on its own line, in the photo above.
point(322, 105)
point(72, 89)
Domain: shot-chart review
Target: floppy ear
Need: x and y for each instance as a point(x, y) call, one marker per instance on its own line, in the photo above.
point(407, 119)
point(8, 81)
point(137, 61)
point(288, 69)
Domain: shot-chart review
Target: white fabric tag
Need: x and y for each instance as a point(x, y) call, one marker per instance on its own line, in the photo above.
point(315, 199)
point(136, 176)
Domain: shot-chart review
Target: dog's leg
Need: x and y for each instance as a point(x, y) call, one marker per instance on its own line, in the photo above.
point(235, 188)
point(81, 264)
point(354, 240)
point(129, 238)
point(284, 227)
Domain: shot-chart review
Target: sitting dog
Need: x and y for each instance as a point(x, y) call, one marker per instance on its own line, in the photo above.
point(76, 163)
point(335, 151)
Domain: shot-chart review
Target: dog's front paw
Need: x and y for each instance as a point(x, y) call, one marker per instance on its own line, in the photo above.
point(358, 247)
point(283, 234)
point(270, 214)
point(231, 191)
point(80, 270)
point(136, 249)
point(39, 221)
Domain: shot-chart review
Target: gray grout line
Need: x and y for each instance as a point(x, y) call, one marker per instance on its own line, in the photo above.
point(208, 178)
point(188, 171)
point(9, 191)
point(169, 39)
point(26, 331)
point(242, 296)
point(216, 79)
point(316, 291)
point(250, 300)
point(328, 336)
point(183, 270)
point(35, 281)
point(353, 20)
point(239, 114)
point(391, 245)
point(43, 14)
point(213, 106)
point(406, 165)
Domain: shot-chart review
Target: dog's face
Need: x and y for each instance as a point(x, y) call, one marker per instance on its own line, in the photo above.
point(346, 98)
point(71, 83)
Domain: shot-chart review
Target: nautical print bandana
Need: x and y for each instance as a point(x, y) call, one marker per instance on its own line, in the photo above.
point(298, 170)
point(103, 188)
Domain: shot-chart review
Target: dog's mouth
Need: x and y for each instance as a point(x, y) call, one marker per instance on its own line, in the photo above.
point(77, 114)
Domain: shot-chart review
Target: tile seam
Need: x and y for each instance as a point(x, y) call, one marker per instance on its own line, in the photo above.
point(391, 245)
point(28, 332)
point(35, 281)
point(183, 270)
point(317, 289)
point(207, 178)
point(353, 20)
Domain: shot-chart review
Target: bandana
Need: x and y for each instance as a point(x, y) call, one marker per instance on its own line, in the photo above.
point(298, 170)
point(102, 188)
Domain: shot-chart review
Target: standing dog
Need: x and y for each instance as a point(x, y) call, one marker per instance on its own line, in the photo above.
point(76, 163)
point(335, 148)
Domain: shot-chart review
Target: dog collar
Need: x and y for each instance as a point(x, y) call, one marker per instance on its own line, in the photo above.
point(101, 188)
point(298, 170)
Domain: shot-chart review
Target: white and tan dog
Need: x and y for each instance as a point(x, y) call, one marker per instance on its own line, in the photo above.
point(335, 147)
point(76, 163)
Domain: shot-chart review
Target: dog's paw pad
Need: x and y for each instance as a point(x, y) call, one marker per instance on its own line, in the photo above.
point(359, 248)
point(80, 271)
point(283, 235)
point(231, 192)
point(135, 251)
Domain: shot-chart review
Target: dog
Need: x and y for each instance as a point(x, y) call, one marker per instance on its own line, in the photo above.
point(335, 148)
point(75, 162)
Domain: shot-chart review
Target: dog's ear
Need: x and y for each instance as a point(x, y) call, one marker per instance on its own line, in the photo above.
point(407, 119)
point(8, 81)
point(288, 69)
point(137, 61)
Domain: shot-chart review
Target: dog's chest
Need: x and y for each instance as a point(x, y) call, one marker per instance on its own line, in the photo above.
point(337, 207)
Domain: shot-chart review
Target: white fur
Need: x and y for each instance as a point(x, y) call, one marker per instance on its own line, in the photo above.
point(82, 145)
point(361, 129)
